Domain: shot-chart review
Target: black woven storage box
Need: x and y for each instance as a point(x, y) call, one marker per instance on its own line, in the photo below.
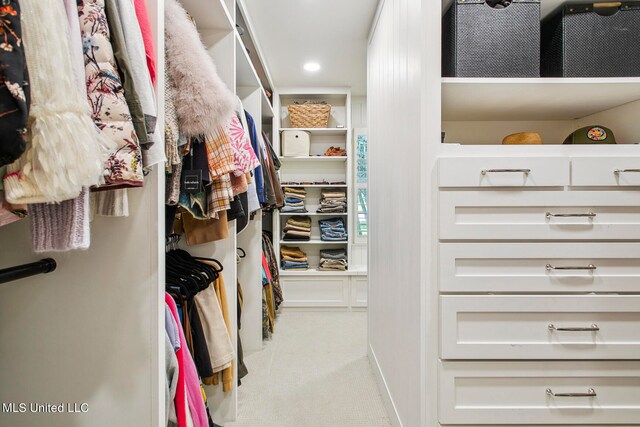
point(577, 41)
point(481, 41)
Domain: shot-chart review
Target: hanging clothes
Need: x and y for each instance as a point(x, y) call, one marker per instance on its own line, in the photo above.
point(109, 108)
point(255, 144)
point(153, 152)
point(203, 102)
point(147, 37)
point(220, 347)
point(61, 135)
point(14, 92)
point(65, 226)
point(124, 66)
point(188, 387)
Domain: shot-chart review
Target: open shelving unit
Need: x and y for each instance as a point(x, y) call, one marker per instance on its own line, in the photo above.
point(316, 168)
point(247, 76)
point(482, 111)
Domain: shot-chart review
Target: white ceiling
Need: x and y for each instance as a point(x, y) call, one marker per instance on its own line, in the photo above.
point(330, 32)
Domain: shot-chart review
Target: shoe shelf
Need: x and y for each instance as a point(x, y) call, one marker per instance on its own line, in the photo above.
point(315, 158)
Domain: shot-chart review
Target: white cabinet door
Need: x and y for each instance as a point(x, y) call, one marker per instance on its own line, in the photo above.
point(503, 171)
point(496, 393)
point(605, 171)
point(584, 327)
point(359, 291)
point(307, 291)
point(539, 267)
point(539, 215)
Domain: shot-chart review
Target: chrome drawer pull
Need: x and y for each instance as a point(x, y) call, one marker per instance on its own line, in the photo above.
point(592, 328)
point(617, 171)
point(486, 171)
point(590, 393)
point(570, 215)
point(591, 267)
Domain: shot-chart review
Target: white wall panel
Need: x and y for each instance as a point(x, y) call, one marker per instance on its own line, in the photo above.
point(395, 204)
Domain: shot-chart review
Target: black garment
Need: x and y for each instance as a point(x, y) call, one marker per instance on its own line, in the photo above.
point(243, 221)
point(200, 349)
point(169, 218)
point(235, 210)
point(15, 96)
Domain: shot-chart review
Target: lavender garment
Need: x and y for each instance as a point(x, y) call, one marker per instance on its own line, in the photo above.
point(61, 227)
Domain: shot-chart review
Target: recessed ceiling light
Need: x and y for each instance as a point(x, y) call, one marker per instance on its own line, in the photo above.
point(312, 66)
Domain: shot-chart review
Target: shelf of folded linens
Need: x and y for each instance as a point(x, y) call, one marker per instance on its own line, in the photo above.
point(314, 158)
point(323, 131)
point(329, 214)
point(316, 272)
point(316, 186)
point(314, 242)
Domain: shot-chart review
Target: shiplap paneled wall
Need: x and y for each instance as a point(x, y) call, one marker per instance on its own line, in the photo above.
point(395, 264)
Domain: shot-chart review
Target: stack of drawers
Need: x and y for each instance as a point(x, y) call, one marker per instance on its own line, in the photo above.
point(539, 275)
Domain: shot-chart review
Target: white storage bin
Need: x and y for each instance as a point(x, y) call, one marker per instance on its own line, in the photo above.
point(295, 143)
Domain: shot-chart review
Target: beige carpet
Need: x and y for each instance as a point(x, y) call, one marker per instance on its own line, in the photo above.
point(313, 373)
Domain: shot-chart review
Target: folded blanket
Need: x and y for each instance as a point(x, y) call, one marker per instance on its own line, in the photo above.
point(292, 251)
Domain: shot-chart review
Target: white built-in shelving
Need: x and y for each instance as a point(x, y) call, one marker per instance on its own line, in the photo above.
point(216, 22)
point(315, 158)
point(316, 168)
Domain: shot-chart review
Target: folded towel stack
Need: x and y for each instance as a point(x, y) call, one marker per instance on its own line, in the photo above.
point(297, 228)
point(292, 258)
point(333, 260)
point(294, 200)
point(333, 229)
point(333, 201)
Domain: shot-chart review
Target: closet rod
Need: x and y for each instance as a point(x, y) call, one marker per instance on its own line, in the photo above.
point(10, 274)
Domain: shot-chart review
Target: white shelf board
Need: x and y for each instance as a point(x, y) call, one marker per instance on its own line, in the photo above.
point(497, 99)
point(211, 15)
point(316, 186)
point(320, 131)
point(546, 6)
point(312, 242)
point(315, 158)
point(313, 214)
point(315, 272)
point(246, 75)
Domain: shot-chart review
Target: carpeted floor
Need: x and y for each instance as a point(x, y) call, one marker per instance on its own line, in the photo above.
point(313, 373)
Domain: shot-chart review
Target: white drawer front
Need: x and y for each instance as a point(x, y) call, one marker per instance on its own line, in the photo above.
point(605, 171)
point(535, 215)
point(539, 267)
point(307, 291)
point(540, 327)
point(503, 171)
point(495, 393)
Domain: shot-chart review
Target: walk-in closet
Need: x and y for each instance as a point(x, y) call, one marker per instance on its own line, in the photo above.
point(371, 213)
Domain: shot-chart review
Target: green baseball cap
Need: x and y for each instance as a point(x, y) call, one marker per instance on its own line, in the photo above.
point(591, 135)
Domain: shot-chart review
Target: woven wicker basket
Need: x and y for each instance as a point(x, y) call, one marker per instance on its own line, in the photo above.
point(309, 115)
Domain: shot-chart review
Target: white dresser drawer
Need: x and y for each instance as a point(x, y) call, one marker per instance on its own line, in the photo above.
point(605, 171)
point(586, 327)
point(497, 393)
point(539, 215)
point(539, 267)
point(503, 171)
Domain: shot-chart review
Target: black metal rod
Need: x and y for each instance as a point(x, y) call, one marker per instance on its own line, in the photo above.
point(10, 274)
